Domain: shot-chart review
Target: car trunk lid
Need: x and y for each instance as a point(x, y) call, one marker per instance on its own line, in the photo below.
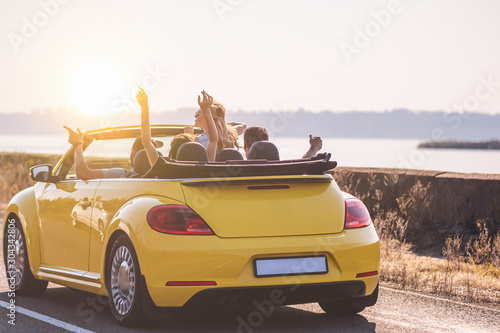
point(267, 206)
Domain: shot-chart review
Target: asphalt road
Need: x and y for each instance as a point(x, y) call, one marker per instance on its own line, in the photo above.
point(60, 310)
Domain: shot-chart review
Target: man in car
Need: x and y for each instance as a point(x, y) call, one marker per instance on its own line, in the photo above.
point(258, 133)
point(84, 172)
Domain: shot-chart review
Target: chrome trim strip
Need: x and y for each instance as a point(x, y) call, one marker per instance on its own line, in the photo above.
point(61, 278)
point(92, 276)
point(78, 275)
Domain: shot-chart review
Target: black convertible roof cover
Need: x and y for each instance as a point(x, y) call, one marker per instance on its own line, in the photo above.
point(166, 168)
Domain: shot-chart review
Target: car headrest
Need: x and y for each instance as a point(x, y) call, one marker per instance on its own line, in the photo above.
point(263, 150)
point(192, 151)
point(141, 162)
point(228, 154)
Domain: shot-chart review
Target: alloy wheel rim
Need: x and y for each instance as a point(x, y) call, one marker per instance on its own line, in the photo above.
point(17, 269)
point(123, 280)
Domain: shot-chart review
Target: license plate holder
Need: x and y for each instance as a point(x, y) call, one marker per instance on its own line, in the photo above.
point(285, 266)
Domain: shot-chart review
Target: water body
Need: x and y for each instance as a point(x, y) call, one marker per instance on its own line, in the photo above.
point(377, 153)
point(397, 153)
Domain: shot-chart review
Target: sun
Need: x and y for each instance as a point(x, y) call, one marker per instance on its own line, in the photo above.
point(94, 87)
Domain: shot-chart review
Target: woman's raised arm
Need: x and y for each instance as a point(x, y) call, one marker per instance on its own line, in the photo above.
point(151, 151)
point(211, 129)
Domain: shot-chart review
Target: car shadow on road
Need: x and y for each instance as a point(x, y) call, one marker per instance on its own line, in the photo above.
point(279, 319)
point(92, 312)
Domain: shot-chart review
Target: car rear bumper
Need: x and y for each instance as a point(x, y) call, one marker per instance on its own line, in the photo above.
point(264, 297)
point(278, 295)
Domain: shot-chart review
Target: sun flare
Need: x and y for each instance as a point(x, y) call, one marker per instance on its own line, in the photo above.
point(94, 87)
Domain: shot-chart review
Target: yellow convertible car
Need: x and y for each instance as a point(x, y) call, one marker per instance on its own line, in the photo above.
point(187, 233)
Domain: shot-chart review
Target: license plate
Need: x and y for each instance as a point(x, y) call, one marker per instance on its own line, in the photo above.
point(290, 266)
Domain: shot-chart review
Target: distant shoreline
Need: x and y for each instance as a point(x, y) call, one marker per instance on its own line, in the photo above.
point(492, 144)
point(395, 124)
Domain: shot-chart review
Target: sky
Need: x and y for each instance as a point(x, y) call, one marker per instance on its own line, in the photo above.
point(252, 55)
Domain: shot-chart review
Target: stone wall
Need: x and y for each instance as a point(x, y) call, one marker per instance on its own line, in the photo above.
point(455, 201)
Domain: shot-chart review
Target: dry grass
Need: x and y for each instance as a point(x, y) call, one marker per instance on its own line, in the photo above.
point(15, 172)
point(468, 270)
point(453, 277)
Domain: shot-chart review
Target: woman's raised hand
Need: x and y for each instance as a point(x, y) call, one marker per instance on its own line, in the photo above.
point(142, 97)
point(206, 102)
point(211, 129)
point(315, 142)
point(189, 130)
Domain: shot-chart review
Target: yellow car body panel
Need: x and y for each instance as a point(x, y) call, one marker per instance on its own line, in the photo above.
point(24, 206)
point(123, 205)
point(65, 223)
point(299, 208)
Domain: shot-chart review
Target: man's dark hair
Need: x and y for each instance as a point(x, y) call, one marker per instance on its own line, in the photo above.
point(138, 144)
point(253, 134)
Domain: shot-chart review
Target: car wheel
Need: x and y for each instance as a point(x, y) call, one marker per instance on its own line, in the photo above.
point(337, 308)
point(123, 283)
point(17, 264)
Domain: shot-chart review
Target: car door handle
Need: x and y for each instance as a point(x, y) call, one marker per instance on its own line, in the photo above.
point(86, 203)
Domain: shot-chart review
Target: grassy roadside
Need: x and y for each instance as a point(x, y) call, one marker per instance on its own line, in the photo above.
point(465, 267)
point(14, 175)
point(460, 274)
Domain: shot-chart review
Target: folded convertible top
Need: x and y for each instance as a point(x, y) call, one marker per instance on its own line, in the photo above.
point(166, 168)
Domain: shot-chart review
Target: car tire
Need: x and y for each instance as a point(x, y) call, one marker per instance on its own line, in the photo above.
point(123, 283)
point(17, 264)
point(339, 308)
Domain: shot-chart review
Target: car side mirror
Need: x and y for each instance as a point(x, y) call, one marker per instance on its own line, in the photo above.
point(41, 173)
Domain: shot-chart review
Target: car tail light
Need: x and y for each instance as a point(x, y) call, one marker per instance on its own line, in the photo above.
point(190, 283)
point(366, 274)
point(356, 214)
point(177, 219)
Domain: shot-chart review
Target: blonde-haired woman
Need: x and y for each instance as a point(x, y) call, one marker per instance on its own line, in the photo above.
point(205, 102)
point(227, 135)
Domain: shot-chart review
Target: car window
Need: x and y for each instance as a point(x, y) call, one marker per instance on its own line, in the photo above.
point(106, 154)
